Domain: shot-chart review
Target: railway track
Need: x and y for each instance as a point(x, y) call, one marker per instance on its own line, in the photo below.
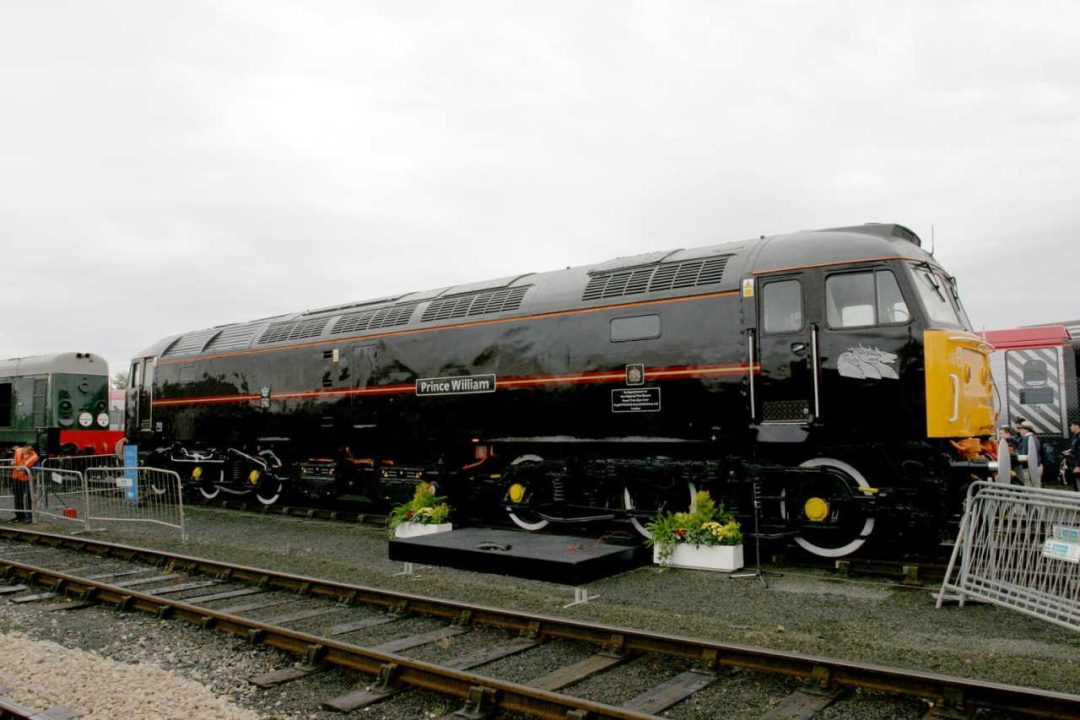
point(260, 605)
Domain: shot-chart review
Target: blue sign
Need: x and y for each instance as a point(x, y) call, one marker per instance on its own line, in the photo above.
point(131, 473)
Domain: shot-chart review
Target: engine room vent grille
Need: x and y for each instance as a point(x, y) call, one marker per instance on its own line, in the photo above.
point(628, 282)
point(667, 276)
point(189, 344)
point(479, 303)
point(392, 316)
point(231, 338)
point(294, 330)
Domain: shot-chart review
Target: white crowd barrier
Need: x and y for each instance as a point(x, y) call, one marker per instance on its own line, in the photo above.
point(98, 490)
point(1019, 547)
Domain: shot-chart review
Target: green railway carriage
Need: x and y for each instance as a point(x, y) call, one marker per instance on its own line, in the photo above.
point(57, 402)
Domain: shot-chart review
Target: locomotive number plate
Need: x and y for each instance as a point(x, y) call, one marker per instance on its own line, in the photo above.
point(632, 400)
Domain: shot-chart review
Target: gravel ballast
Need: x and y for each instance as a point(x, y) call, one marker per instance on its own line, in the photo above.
point(868, 621)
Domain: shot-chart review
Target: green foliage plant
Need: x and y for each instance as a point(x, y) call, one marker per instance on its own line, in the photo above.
point(425, 508)
point(706, 523)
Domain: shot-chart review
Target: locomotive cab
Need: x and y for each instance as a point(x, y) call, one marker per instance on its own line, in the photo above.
point(853, 360)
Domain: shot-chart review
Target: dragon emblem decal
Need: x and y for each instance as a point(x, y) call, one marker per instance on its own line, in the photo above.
point(867, 362)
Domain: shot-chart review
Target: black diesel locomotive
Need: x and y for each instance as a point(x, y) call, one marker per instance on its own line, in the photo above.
point(822, 377)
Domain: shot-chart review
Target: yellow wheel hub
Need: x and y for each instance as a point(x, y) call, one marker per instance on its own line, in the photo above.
point(516, 493)
point(816, 509)
point(253, 477)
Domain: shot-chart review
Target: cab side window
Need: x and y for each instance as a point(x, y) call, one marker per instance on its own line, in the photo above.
point(782, 309)
point(864, 299)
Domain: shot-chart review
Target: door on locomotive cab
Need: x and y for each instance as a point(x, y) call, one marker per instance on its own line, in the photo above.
point(864, 342)
point(785, 350)
point(140, 394)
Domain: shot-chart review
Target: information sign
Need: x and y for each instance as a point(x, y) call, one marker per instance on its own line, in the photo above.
point(131, 473)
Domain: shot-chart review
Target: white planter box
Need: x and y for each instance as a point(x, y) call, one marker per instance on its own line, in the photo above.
point(725, 558)
point(408, 529)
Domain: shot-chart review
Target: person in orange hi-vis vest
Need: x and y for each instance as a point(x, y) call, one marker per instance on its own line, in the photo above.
point(25, 458)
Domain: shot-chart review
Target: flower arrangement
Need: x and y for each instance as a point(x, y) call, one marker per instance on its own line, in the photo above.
point(705, 524)
point(425, 508)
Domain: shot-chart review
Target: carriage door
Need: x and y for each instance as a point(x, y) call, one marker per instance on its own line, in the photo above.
point(140, 395)
point(786, 352)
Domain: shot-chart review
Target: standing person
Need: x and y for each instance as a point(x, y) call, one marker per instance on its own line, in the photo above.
point(25, 458)
point(1031, 446)
point(1072, 455)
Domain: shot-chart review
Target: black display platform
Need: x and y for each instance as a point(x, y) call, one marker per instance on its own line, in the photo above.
point(565, 559)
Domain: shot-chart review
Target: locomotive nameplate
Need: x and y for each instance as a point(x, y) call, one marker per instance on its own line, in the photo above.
point(633, 400)
point(459, 385)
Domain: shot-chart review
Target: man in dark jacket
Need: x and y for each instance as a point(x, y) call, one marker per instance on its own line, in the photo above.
point(1072, 455)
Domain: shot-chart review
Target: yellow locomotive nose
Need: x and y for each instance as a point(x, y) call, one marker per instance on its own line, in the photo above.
point(959, 397)
point(816, 509)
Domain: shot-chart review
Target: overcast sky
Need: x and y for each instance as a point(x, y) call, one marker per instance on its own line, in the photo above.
point(172, 166)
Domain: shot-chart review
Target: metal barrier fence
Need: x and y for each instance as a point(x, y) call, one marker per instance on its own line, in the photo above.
point(135, 495)
point(59, 495)
point(81, 463)
point(8, 488)
point(97, 490)
point(1019, 547)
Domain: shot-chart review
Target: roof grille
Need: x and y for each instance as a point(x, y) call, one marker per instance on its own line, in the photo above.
point(189, 344)
point(231, 338)
point(391, 316)
point(478, 303)
point(668, 276)
point(293, 330)
point(617, 284)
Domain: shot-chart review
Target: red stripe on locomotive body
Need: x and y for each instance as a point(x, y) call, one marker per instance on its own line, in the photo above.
point(605, 376)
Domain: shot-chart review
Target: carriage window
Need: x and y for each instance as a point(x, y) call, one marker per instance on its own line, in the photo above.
point(642, 327)
point(5, 404)
point(781, 304)
point(862, 299)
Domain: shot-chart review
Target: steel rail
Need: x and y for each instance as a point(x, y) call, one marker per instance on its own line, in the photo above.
point(487, 692)
point(948, 691)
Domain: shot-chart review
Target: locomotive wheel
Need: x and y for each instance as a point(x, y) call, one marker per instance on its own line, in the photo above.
point(669, 500)
point(523, 518)
point(269, 490)
point(208, 489)
point(841, 534)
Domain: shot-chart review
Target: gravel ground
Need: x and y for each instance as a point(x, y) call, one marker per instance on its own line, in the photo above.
point(866, 621)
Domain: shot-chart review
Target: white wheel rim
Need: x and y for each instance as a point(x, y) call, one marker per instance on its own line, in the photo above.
point(868, 526)
point(271, 500)
point(209, 495)
point(628, 504)
point(525, 524)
